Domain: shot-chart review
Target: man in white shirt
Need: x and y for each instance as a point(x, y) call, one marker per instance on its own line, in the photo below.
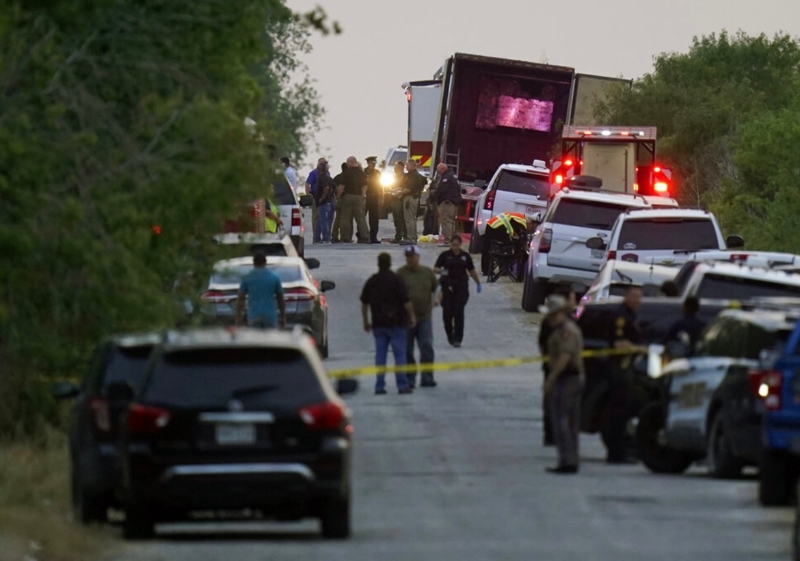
point(291, 175)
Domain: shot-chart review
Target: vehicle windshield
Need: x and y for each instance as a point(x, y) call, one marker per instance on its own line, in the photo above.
point(524, 184)
point(397, 156)
point(233, 274)
point(587, 214)
point(127, 365)
point(735, 288)
point(668, 233)
point(210, 378)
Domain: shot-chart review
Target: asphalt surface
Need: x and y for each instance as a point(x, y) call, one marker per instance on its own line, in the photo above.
point(457, 472)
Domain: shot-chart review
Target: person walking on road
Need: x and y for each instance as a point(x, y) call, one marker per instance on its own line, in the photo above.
point(624, 335)
point(421, 283)
point(398, 213)
point(412, 190)
point(455, 267)
point(566, 381)
point(385, 298)
point(336, 230)
point(448, 198)
point(261, 292)
point(374, 198)
point(353, 191)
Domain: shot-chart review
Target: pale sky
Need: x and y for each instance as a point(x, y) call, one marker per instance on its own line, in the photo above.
point(359, 73)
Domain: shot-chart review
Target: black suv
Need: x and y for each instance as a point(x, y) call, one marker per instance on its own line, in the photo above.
point(94, 424)
point(237, 420)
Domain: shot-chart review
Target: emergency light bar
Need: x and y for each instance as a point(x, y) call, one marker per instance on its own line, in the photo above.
point(611, 133)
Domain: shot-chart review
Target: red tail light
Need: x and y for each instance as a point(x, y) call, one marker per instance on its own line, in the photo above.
point(489, 203)
point(99, 415)
point(297, 218)
point(738, 257)
point(298, 294)
point(212, 294)
point(559, 180)
point(147, 420)
point(766, 385)
point(611, 255)
point(546, 242)
point(661, 187)
point(323, 416)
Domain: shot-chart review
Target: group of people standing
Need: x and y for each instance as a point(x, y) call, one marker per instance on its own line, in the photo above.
point(397, 308)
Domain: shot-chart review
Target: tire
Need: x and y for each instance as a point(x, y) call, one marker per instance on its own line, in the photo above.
point(335, 519)
point(476, 243)
point(87, 507)
point(774, 480)
point(657, 457)
point(722, 462)
point(533, 294)
point(139, 524)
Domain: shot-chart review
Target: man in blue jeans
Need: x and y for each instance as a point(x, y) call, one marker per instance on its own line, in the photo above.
point(421, 283)
point(385, 297)
point(261, 290)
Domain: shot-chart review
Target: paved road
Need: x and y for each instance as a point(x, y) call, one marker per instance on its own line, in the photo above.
point(457, 472)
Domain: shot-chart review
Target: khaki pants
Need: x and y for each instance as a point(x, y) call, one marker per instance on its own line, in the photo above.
point(447, 216)
point(565, 410)
point(410, 208)
point(350, 207)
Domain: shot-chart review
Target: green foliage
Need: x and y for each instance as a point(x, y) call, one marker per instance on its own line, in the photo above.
point(728, 118)
point(117, 116)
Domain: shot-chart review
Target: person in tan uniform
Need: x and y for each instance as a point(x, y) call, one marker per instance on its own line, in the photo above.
point(564, 386)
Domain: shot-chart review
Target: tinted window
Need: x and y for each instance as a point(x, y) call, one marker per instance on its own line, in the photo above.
point(587, 214)
point(732, 288)
point(759, 339)
point(619, 289)
point(233, 275)
point(723, 338)
point(269, 249)
point(210, 378)
point(127, 365)
point(685, 274)
point(668, 233)
point(524, 183)
point(282, 192)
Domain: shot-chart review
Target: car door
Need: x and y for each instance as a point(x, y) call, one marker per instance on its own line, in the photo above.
point(574, 222)
point(693, 387)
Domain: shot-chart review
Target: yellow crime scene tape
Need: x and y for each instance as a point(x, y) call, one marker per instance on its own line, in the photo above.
point(470, 364)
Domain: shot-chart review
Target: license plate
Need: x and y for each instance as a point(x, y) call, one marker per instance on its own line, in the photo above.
point(229, 434)
point(597, 254)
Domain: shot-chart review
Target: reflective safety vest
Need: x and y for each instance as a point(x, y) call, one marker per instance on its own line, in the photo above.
point(504, 219)
point(270, 225)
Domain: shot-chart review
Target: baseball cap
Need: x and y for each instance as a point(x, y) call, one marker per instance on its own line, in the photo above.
point(412, 250)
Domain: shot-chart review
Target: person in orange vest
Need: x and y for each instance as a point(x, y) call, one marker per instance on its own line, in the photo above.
point(272, 217)
point(504, 226)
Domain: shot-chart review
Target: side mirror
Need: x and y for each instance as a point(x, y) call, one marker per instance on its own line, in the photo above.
point(734, 242)
point(346, 386)
point(312, 263)
point(65, 390)
point(480, 184)
point(595, 243)
point(306, 201)
point(325, 286)
point(120, 392)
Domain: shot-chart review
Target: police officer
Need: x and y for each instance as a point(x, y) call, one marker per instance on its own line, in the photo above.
point(448, 199)
point(374, 198)
point(625, 336)
point(454, 266)
point(687, 330)
point(564, 386)
point(398, 212)
point(412, 190)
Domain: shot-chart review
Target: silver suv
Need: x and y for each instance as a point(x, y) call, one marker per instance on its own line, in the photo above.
point(558, 252)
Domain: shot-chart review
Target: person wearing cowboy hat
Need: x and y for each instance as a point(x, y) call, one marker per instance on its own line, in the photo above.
point(564, 385)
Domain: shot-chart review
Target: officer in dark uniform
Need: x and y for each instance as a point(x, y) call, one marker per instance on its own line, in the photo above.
point(374, 198)
point(623, 334)
point(455, 267)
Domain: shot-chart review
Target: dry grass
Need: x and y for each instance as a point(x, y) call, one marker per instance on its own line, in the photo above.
point(35, 516)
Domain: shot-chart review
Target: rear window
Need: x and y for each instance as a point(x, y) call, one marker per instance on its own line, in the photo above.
point(620, 289)
point(269, 249)
point(233, 275)
point(127, 365)
point(668, 233)
point(769, 345)
point(733, 288)
point(524, 184)
point(587, 214)
point(282, 193)
point(211, 378)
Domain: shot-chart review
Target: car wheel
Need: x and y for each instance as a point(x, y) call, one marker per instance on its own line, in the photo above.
point(656, 456)
point(533, 293)
point(476, 243)
point(139, 523)
point(774, 479)
point(336, 519)
point(722, 462)
point(88, 508)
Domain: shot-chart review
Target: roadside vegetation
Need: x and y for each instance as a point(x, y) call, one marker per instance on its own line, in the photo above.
point(122, 150)
point(728, 118)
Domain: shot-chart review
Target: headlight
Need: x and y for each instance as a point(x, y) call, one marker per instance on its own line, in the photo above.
point(387, 179)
